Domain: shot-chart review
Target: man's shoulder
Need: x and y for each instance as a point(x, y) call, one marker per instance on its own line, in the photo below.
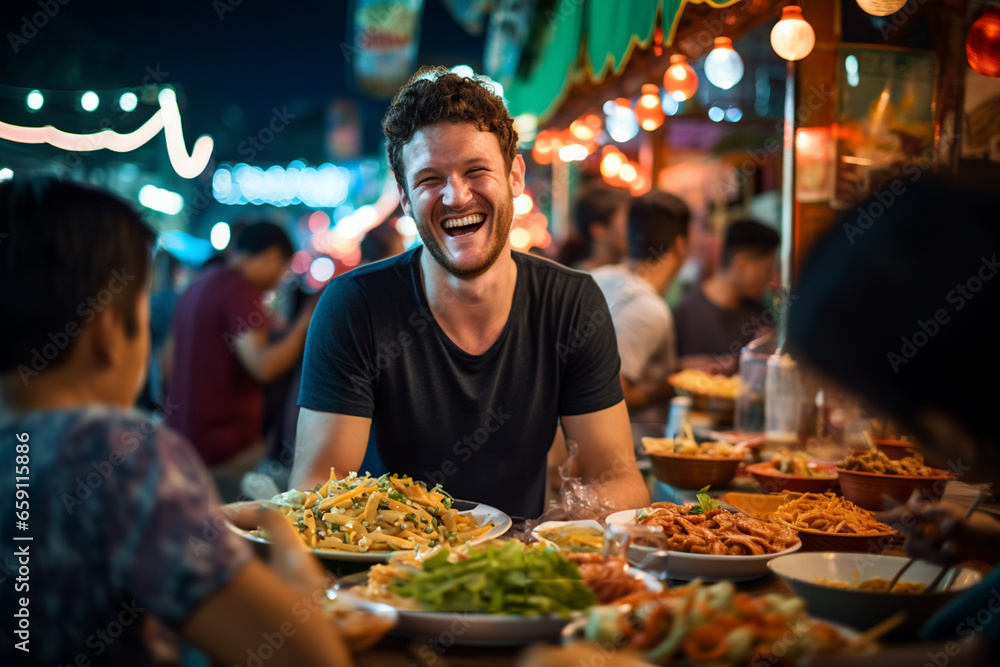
point(547, 267)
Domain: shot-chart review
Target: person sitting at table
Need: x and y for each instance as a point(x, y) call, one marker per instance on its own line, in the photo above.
point(121, 522)
point(717, 318)
point(904, 313)
point(598, 235)
point(460, 357)
point(644, 328)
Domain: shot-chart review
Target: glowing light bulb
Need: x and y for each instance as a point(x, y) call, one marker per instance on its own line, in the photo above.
point(89, 100)
point(881, 7)
point(723, 66)
point(680, 79)
point(792, 37)
point(648, 110)
point(982, 46)
point(35, 100)
point(128, 101)
point(220, 235)
point(621, 122)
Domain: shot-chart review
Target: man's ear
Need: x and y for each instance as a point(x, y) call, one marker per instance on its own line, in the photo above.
point(404, 199)
point(104, 339)
point(517, 169)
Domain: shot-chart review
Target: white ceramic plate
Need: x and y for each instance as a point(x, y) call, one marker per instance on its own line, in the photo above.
point(481, 513)
point(467, 628)
point(685, 567)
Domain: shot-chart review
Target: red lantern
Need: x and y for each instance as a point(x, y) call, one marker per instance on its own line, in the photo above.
point(680, 80)
point(982, 47)
point(648, 110)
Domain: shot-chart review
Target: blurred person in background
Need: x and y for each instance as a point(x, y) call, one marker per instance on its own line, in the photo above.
point(717, 318)
point(904, 314)
point(438, 356)
point(120, 505)
point(222, 354)
point(657, 247)
point(381, 242)
point(598, 236)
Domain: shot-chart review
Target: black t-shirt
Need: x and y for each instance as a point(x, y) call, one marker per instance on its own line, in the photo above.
point(705, 328)
point(481, 425)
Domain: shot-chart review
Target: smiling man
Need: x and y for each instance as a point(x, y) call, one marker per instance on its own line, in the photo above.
point(459, 359)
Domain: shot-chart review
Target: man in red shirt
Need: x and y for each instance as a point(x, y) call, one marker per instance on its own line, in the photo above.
point(222, 355)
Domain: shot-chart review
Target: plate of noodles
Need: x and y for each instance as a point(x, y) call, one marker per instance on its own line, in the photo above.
point(706, 542)
point(823, 521)
point(366, 519)
point(852, 589)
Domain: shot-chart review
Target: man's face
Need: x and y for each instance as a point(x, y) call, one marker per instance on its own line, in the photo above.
point(460, 195)
point(753, 273)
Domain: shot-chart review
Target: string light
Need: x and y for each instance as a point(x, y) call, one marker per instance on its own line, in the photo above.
point(89, 100)
point(982, 46)
point(648, 111)
point(34, 100)
point(723, 66)
point(680, 79)
point(166, 118)
point(792, 37)
point(881, 7)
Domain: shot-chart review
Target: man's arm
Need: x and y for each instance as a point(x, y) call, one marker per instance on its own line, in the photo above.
point(266, 361)
point(325, 440)
point(606, 458)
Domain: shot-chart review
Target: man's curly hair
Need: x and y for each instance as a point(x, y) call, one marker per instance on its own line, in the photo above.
point(435, 95)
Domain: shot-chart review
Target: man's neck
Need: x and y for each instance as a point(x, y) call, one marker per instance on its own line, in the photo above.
point(471, 311)
point(657, 273)
point(720, 290)
point(53, 389)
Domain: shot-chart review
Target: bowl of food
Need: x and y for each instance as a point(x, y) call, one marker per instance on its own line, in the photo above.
point(894, 448)
point(868, 475)
point(686, 464)
point(823, 521)
point(795, 472)
point(710, 393)
point(852, 589)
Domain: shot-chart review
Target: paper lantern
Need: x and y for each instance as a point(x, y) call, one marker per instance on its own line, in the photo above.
point(546, 144)
point(680, 79)
point(881, 7)
point(982, 47)
point(648, 111)
point(723, 66)
point(792, 37)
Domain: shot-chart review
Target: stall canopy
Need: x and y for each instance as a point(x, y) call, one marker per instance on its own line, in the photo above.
point(576, 40)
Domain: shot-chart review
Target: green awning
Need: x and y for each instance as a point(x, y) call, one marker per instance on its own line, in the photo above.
point(581, 39)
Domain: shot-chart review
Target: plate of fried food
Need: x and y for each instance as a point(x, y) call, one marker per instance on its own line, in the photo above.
point(823, 521)
point(865, 476)
point(495, 593)
point(707, 542)
point(794, 471)
point(366, 519)
point(853, 590)
point(711, 393)
point(685, 463)
point(702, 624)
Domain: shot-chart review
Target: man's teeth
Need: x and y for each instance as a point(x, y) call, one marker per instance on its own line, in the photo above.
point(473, 219)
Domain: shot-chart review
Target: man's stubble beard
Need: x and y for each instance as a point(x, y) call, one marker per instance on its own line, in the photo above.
point(503, 217)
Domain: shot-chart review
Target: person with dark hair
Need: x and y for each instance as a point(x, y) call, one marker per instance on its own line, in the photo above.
point(222, 354)
point(598, 236)
point(716, 319)
point(119, 504)
point(902, 310)
point(657, 247)
point(460, 358)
